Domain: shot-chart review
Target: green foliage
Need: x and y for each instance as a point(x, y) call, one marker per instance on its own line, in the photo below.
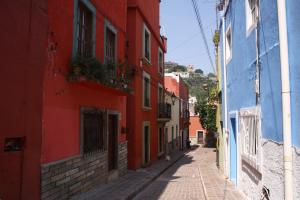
point(199, 71)
point(110, 74)
point(177, 68)
point(207, 111)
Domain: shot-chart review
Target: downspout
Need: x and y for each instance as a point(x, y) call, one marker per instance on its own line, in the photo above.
point(286, 102)
point(225, 94)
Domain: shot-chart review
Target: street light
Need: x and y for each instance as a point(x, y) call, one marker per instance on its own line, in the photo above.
point(173, 98)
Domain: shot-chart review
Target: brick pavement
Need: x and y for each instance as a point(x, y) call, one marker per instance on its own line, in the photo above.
point(195, 176)
point(129, 185)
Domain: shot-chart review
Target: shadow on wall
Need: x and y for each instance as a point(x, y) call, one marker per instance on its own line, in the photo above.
point(210, 139)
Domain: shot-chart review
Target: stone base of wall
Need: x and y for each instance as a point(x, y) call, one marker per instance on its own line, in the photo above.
point(65, 178)
point(296, 172)
point(174, 147)
point(252, 181)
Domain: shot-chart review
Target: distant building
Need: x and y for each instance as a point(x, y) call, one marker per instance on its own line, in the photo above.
point(190, 69)
point(175, 84)
point(196, 131)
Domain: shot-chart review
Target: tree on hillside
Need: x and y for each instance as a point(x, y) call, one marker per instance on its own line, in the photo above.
point(199, 71)
point(211, 75)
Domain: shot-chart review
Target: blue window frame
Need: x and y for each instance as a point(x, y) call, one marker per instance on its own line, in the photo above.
point(84, 28)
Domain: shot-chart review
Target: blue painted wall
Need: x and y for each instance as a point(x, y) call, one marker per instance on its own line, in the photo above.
point(293, 20)
point(241, 70)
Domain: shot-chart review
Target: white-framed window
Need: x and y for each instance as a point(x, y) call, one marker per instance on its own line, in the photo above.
point(146, 90)
point(160, 94)
point(249, 128)
point(160, 61)
point(228, 44)
point(146, 43)
point(251, 13)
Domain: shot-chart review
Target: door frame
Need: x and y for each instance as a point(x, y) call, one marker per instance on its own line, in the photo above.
point(234, 115)
point(117, 113)
point(146, 123)
point(203, 136)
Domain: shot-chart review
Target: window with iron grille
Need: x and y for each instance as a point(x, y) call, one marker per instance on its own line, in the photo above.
point(147, 43)
point(250, 136)
point(146, 90)
point(85, 43)
point(160, 62)
point(110, 49)
point(110, 46)
point(250, 14)
point(228, 44)
point(93, 131)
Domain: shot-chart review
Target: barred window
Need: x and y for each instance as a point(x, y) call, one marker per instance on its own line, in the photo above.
point(94, 137)
point(84, 30)
point(146, 90)
point(250, 135)
point(110, 46)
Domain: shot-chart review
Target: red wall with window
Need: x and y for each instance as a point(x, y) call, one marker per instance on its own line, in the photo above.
point(142, 13)
point(38, 103)
point(23, 39)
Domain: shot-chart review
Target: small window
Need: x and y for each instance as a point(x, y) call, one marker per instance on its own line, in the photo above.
point(147, 44)
point(160, 62)
point(84, 31)
point(250, 14)
point(146, 90)
point(228, 44)
point(110, 46)
point(160, 94)
point(93, 131)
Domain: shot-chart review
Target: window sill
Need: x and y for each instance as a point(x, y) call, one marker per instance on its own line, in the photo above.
point(146, 62)
point(145, 108)
point(251, 162)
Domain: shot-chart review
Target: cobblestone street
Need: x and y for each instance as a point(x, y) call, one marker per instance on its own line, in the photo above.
point(194, 176)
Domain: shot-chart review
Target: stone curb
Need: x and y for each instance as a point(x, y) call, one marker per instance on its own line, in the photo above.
point(145, 185)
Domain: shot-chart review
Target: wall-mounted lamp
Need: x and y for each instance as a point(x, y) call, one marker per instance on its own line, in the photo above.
point(173, 98)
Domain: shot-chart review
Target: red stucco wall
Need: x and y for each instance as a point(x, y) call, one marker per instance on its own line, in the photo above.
point(23, 39)
point(63, 100)
point(138, 14)
point(195, 126)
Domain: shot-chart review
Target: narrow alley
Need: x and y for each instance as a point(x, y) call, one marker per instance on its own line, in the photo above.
point(190, 175)
point(194, 176)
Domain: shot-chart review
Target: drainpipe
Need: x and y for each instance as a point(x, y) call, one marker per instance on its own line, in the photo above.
point(225, 95)
point(286, 103)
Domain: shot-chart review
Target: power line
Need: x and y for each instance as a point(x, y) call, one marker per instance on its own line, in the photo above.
point(196, 9)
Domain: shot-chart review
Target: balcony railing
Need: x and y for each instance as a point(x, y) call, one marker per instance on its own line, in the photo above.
point(164, 111)
point(116, 76)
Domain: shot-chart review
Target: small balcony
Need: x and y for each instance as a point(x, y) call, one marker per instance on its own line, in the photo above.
point(92, 73)
point(164, 112)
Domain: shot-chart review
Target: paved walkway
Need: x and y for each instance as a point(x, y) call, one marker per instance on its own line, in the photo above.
point(192, 175)
point(130, 184)
point(195, 176)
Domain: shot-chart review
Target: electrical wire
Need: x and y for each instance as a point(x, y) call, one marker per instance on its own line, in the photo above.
point(196, 9)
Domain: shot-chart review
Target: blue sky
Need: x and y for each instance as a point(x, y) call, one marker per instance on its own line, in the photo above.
point(179, 24)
